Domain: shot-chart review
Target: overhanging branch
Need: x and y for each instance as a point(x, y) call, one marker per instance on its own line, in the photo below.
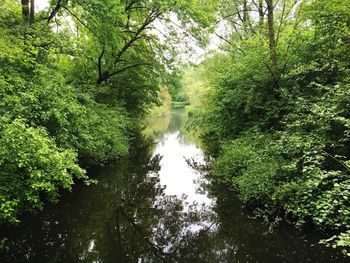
point(105, 76)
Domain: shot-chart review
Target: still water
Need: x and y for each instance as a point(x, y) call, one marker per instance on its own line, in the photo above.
point(153, 207)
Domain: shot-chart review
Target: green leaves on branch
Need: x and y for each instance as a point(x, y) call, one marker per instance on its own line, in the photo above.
point(285, 147)
point(32, 167)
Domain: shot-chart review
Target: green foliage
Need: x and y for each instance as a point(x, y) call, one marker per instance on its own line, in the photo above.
point(285, 146)
point(239, 94)
point(74, 90)
point(47, 122)
point(32, 166)
point(340, 241)
point(102, 134)
point(163, 107)
point(195, 85)
point(122, 51)
point(44, 99)
point(250, 164)
point(316, 143)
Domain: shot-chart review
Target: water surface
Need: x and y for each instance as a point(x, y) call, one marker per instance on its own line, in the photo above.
point(153, 207)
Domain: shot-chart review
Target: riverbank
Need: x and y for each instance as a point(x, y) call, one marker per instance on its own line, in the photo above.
point(139, 211)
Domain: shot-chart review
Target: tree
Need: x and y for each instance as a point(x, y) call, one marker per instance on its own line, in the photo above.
point(73, 97)
point(278, 117)
point(32, 11)
point(28, 10)
point(272, 42)
point(25, 9)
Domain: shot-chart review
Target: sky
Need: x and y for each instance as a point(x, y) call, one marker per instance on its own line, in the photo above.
point(41, 4)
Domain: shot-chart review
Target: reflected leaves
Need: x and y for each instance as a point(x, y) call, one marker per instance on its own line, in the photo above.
point(126, 217)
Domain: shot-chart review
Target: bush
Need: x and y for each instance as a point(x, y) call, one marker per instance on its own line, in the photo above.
point(32, 169)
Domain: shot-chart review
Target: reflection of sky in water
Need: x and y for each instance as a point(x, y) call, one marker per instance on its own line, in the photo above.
point(178, 177)
point(128, 218)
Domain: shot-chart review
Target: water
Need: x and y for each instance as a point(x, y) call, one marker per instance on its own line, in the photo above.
point(152, 207)
point(175, 172)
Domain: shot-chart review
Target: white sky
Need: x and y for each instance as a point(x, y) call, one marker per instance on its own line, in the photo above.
point(41, 4)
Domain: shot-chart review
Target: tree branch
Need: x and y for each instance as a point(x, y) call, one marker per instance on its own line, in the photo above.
point(128, 67)
point(77, 18)
point(100, 64)
point(152, 16)
point(157, 250)
point(105, 75)
point(54, 11)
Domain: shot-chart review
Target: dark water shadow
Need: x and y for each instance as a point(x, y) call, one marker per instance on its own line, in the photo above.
point(127, 217)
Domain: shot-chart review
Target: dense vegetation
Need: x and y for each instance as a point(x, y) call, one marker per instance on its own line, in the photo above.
point(75, 79)
point(277, 116)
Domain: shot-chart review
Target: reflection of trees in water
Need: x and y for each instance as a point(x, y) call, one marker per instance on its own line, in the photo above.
point(240, 237)
point(160, 126)
point(126, 217)
point(178, 120)
point(175, 123)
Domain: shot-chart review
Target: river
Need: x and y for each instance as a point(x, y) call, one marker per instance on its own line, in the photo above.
point(153, 207)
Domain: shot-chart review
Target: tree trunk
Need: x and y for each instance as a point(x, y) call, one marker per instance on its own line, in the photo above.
point(272, 42)
point(245, 16)
point(32, 11)
point(261, 13)
point(25, 9)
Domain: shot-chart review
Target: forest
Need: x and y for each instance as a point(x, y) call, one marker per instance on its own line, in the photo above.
point(269, 99)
